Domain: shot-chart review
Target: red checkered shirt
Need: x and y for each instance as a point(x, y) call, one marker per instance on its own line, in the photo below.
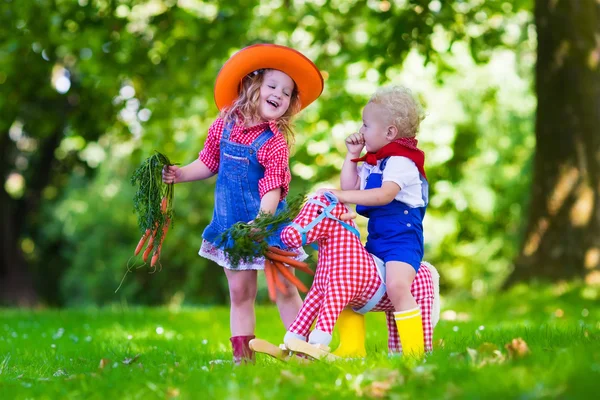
point(274, 155)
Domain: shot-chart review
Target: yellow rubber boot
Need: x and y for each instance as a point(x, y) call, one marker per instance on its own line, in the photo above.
point(351, 327)
point(410, 328)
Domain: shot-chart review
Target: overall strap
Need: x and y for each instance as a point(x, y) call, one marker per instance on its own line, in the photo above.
point(383, 163)
point(262, 139)
point(227, 130)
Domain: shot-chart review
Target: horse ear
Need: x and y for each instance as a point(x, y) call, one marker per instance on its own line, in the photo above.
point(348, 216)
point(331, 197)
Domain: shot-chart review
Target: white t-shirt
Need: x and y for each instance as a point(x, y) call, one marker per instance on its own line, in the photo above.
point(402, 171)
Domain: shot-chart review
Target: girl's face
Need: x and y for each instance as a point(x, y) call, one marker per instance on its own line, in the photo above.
point(376, 127)
point(275, 94)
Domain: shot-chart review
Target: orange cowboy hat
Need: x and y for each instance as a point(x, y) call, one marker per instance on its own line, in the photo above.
point(304, 72)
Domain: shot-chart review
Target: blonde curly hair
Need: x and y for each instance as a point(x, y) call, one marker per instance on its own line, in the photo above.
point(247, 105)
point(403, 109)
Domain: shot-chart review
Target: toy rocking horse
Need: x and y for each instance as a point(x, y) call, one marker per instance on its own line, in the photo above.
point(347, 276)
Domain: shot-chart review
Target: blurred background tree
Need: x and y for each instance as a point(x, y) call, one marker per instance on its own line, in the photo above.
point(89, 88)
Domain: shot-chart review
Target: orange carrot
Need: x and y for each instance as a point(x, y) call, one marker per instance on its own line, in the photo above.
point(156, 255)
point(287, 260)
point(290, 277)
point(147, 252)
point(141, 243)
point(277, 250)
point(270, 282)
point(302, 266)
point(163, 205)
point(154, 258)
point(278, 282)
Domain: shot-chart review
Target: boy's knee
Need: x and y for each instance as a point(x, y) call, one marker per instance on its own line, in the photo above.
point(398, 286)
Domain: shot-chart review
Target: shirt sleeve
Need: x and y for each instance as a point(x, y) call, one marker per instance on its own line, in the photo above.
point(211, 151)
point(274, 156)
point(402, 171)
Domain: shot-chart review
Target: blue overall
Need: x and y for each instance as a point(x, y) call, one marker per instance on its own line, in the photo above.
point(395, 229)
point(237, 198)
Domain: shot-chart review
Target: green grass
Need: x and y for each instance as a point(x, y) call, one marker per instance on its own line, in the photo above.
point(50, 354)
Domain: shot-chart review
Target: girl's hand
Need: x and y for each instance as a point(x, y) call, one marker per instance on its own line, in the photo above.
point(171, 174)
point(355, 143)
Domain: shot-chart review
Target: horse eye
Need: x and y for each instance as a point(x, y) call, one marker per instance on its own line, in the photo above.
point(319, 212)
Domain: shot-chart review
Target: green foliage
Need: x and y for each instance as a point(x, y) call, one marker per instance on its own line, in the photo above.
point(141, 76)
point(130, 353)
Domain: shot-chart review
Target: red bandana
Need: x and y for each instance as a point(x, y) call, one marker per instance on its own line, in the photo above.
point(405, 147)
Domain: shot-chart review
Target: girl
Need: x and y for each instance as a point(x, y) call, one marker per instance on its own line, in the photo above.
point(258, 90)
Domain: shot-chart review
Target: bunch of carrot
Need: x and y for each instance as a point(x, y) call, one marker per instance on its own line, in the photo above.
point(153, 202)
point(276, 262)
point(152, 235)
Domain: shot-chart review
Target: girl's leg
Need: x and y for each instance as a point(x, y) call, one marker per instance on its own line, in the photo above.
point(399, 279)
point(242, 320)
point(288, 304)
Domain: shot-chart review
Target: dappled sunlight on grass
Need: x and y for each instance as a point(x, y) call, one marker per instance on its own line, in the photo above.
point(536, 341)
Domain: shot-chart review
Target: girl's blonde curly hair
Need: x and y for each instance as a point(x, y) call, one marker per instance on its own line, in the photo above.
point(247, 104)
point(405, 112)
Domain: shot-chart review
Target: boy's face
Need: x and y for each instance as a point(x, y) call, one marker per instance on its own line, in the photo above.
point(376, 127)
point(275, 94)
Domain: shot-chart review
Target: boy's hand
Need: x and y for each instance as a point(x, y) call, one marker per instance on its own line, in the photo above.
point(171, 173)
point(336, 192)
point(355, 143)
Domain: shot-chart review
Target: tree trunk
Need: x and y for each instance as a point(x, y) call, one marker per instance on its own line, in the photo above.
point(16, 284)
point(562, 238)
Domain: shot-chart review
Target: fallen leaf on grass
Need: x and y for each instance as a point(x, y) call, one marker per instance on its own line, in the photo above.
point(172, 392)
point(104, 362)
point(486, 353)
point(128, 361)
point(378, 383)
point(517, 348)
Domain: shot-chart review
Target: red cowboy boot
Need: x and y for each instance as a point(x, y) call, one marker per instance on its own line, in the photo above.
point(242, 354)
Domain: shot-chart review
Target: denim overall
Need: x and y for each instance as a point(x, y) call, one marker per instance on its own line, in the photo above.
point(395, 229)
point(236, 191)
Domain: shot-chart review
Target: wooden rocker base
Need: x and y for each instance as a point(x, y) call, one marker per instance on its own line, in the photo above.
point(265, 347)
point(319, 352)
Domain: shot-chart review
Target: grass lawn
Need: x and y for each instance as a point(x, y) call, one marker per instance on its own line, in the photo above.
point(134, 353)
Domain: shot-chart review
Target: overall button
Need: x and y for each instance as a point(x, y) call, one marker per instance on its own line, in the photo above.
point(408, 225)
point(405, 212)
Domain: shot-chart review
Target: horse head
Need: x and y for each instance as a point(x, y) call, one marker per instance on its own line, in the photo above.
point(321, 217)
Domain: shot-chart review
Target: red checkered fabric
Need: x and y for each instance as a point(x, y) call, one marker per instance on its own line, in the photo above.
point(346, 276)
point(273, 155)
